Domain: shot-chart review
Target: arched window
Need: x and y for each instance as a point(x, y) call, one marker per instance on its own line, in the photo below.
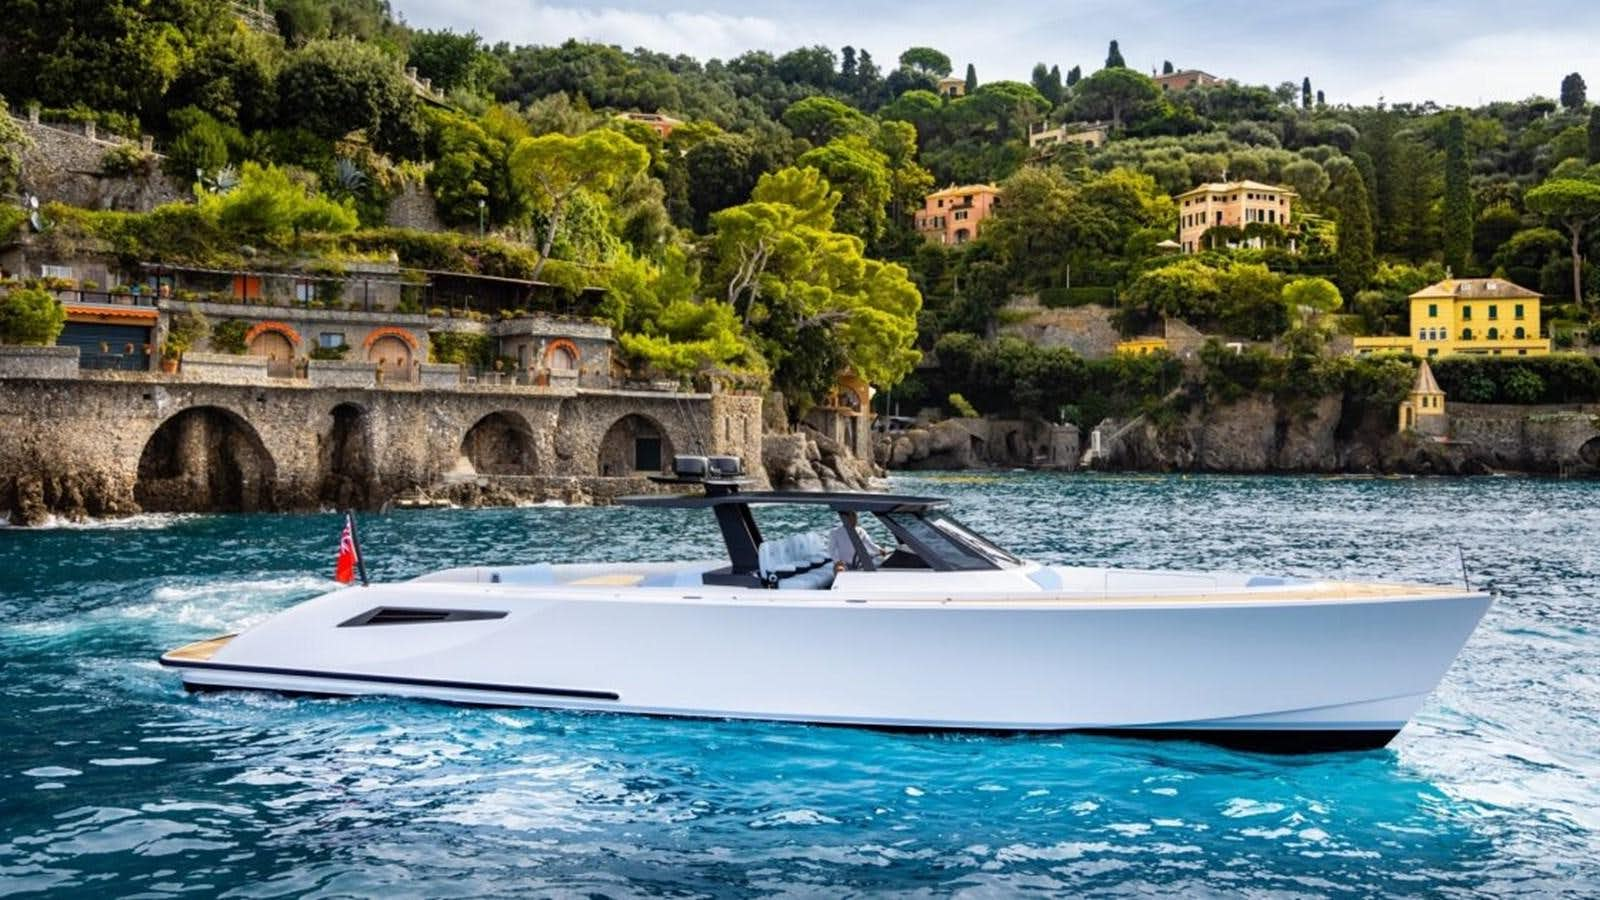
point(1466, 334)
point(1493, 335)
point(1521, 332)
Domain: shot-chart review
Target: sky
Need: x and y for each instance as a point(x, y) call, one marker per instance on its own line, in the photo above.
point(1454, 53)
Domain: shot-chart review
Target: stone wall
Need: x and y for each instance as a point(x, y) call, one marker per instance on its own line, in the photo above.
point(980, 443)
point(38, 362)
point(63, 164)
point(1086, 330)
point(224, 368)
point(118, 443)
point(413, 206)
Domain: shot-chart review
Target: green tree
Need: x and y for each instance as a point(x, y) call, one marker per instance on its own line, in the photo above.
point(31, 317)
point(821, 119)
point(456, 62)
point(1575, 204)
point(334, 87)
point(1594, 136)
point(1166, 67)
point(720, 172)
point(268, 205)
point(861, 173)
point(1074, 75)
point(12, 143)
point(1115, 93)
point(1574, 93)
point(1305, 92)
point(1114, 57)
point(972, 78)
point(1354, 261)
point(553, 169)
point(1316, 295)
point(1457, 213)
point(926, 61)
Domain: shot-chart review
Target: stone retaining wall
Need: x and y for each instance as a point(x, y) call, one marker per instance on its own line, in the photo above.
point(341, 373)
point(224, 368)
point(67, 166)
point(38, 362)
point(115, 445)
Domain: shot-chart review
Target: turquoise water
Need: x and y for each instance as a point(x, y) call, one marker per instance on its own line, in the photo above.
point(113, 781)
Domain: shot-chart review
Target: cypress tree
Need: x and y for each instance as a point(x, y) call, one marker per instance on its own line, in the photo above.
point(1040, 79)
point(1574, 93)
point(972, 78)
point(1114, 58)
point(1055, 85)
point(1074, 75)
point(1166, 67)
point(1594, 135)
point(1457, 198)
point(1305, 92)
point(1321, 101)
point(1354, 264)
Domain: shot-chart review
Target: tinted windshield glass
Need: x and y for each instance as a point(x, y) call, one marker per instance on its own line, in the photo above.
point(950, 545)
point(971, 540)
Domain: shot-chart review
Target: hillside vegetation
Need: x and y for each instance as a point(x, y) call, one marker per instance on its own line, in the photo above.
point(770, 233)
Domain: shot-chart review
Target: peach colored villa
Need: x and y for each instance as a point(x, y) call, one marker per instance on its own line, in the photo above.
point(1184, 79)
point(1234, 204)
point(952, 216)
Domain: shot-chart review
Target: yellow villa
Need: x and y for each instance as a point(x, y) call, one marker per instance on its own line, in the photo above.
point(1489, 316)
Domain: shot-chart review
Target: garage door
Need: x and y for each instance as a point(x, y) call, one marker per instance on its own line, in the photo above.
point(108, 346)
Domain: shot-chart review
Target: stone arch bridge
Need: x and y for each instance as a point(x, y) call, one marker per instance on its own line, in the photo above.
point(113, 446)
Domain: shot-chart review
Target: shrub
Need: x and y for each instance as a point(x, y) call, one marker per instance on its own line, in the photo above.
point(960, 406)
point(1522, 386)
point(338, 352)
point(127, 160)
point(31, 317)
point(228, 337)
point(183, 331)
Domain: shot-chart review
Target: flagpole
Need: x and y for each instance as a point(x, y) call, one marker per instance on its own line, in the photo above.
point(355, 538)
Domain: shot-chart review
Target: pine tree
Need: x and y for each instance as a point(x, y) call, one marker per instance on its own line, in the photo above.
point(972, 78)
point(1074, 75)
point(1457, 223)
point(1114, 58)
point(1574, 93)
point(1305, 92)
point(1354, 264)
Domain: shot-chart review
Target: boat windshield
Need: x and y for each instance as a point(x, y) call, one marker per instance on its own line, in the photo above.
point(947, 544)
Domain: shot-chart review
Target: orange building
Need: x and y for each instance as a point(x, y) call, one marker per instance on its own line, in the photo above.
point(1184, 79)
point(951, 216)
point(659, 123)
point(1233, 204)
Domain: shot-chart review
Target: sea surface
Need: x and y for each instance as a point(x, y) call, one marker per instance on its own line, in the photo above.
point(114, 782)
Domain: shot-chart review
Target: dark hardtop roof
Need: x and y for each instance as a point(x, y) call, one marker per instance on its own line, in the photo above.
point(836, 500)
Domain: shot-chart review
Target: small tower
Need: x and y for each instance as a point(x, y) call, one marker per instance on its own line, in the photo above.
point(1423, 411)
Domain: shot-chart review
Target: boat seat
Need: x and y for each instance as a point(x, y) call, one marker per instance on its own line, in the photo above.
point(797, 556)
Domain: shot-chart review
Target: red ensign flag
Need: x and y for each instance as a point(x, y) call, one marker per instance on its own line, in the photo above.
point(344, 571)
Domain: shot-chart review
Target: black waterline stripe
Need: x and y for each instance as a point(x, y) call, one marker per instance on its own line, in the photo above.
point(396, 679)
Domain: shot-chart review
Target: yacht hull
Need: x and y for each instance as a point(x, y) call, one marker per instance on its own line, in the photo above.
point(1277, 672)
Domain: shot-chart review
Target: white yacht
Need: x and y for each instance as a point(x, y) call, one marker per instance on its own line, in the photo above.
point(946, 631)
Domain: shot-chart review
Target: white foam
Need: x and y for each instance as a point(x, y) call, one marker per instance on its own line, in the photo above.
point(138, 522)
point(225, 605)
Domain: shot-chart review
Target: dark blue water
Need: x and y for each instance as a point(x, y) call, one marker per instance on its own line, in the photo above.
point(115, 782)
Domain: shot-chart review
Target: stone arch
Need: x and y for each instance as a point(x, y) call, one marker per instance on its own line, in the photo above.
point(391, 353)
point(1590, 452)
point(500, 443)
point(347, 473)
point(562, 355)
point(635, 443)
point(205, 459)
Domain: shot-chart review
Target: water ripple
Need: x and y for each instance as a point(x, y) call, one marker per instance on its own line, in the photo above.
point(113, 781)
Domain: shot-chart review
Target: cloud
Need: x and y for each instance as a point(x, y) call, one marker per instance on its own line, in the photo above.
point(1449, 51)
point(703, 34)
